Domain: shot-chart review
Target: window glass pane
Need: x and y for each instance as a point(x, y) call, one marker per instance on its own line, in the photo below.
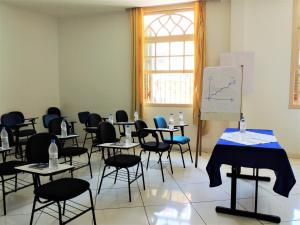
point(163, 32)
point(177, 31)
point(189, 48)
point(162, 63)
point(176, 63)
point(184, 23)
point(176, 18)
point(169, 88)
point(188, 14)
point(190, 30)
point(150, 64)
point(170, 25)
point(189, 63)
point(150, 49)
point(176, 48)
point(162, 49)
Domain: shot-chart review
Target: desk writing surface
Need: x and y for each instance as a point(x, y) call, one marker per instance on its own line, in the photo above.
point(119, 145)
point(5, 149)
point(43, 168)
point(68, 136)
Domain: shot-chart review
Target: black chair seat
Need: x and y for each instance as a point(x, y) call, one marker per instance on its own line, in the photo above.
point(8, 168)
point(26, 133)
point(151, 146)
point(123, 161)
point(73, 151)
point(62, 189)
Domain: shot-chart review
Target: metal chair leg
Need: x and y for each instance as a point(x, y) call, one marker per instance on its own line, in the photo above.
point(116, 176)
point(161, 167)
point(137, 169)
point(148, 161)
point(190, 152)
point(84, 139)
point(64, 208)
point(102, 179)
point(182, 156)
point(92, 207)
point(3, 194)
point(59, 213)
point(33, 210)
point(90, 166)
point(170, 161)
point(128, 177)
point(143, 175)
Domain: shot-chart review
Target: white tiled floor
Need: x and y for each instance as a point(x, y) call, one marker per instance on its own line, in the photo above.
point(183, 199)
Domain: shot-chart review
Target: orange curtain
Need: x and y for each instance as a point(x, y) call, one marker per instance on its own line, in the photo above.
point(200, 56)
point(137, 31)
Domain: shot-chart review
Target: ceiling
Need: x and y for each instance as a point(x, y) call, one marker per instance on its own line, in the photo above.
point(67, 8)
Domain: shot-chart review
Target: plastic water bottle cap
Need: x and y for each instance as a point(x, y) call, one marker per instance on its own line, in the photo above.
point(53, 141)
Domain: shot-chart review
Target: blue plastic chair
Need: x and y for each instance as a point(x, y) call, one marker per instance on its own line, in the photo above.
point(179, 140)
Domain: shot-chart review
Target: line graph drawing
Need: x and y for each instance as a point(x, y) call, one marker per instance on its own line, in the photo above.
point(213, 92)
point(221, 90)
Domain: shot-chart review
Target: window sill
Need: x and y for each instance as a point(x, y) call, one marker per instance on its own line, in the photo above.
point(294, 106)
point(168, 105)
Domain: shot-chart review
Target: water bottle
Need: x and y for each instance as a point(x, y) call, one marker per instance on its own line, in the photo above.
point(63, 127)
point(111, 119)
point(181, 121)
point(136, 116)
point(53, 155)
point(242, 125)
point(127, 134)
point(4, 139)
point(171, 122)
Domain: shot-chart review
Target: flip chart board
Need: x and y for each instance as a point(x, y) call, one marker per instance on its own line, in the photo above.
point(221, 93)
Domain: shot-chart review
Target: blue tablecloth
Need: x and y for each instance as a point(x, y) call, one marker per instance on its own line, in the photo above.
point(264, 156)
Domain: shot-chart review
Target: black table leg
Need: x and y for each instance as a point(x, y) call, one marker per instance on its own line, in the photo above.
point(249, 177)
point(233, 211)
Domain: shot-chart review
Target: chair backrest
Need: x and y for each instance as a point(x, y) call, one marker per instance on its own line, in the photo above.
point(10, 119)
point(107, 132)
point(83, 116)
point(160, 122)
point(140, 125)
point(54, 110)
point(47, 118)
point(11, 140)
point(121, 116)
point(37, 147)
point(20, 115)
point(54, 126)
point(93, 120)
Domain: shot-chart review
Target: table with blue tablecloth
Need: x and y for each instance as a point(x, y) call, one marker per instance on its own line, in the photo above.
point(239, 154)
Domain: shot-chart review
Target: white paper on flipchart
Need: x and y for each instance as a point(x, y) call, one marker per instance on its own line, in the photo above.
point(241, 58)
point(248, 138)
point(221, 90)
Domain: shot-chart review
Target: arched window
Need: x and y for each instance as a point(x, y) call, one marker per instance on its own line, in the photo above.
point(169, 56)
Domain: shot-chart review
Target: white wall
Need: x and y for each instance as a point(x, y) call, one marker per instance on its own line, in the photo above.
point(95, 64)
point(266, 30)
point(28, 62)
